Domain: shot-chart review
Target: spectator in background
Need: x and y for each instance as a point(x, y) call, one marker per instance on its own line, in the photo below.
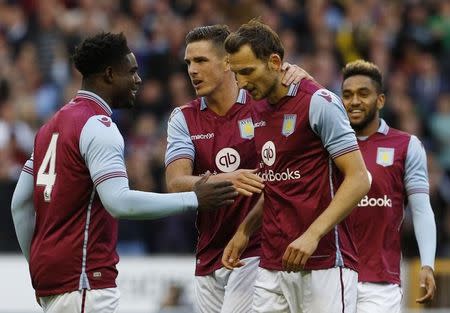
point(440, 129)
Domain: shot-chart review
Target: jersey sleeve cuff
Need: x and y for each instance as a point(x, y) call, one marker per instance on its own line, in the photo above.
point(27, 170)
point(177, 157)
point(346, 150)
point(107, 176)
point(190, 200)
point(417, 190)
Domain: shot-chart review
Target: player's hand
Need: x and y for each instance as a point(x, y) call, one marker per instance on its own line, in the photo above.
point(293, 74)
point(299, 251)
point(426, 280)
point(214, 195)
point(246, 182)
point(233, 251)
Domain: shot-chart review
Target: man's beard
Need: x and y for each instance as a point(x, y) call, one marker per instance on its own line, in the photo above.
point(371, 114)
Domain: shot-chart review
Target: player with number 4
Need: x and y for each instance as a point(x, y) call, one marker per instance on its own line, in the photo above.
point(75, 185)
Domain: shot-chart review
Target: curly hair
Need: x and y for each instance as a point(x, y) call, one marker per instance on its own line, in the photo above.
point(364, 68)
point(96, 53)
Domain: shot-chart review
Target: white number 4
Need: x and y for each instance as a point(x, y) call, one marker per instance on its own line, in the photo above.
point(48, 179)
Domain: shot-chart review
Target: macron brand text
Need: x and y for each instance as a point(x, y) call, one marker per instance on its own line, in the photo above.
point(202, 136)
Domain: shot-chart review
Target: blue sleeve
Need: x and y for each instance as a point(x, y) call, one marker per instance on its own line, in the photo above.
point(416, 173)
point(179, 142)
point(328, 119)
point(22, 209)
point(424, 227)
point(121, 202)
point(102, 148)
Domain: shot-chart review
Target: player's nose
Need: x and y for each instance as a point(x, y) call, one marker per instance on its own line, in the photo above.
point(137, 79)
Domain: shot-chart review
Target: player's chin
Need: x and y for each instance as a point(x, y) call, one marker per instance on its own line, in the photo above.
point(357, 124)
point(201, 92)
point(129, 103)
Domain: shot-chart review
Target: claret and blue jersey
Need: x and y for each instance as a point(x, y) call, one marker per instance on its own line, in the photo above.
point(301, 136)
point(218, 144)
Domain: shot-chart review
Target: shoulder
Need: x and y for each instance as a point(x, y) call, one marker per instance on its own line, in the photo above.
point(77, 112)
point(312, 92)
point(99, 132)
point(400, 136)
point(398, 133)
point(309, 87)
point(188, 108)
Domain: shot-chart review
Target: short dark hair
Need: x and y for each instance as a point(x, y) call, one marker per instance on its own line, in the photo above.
point(262, 40)
point(365, 68)
point(96, 53)
point(214, 33)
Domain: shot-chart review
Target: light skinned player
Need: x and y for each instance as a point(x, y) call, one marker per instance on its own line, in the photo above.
point(314, 176)
point(215, 132)
point(398, 165)
point(74, 187)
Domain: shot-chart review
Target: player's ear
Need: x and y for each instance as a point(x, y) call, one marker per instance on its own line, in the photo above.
point(108, 74)
point(275, 62)
point(381, 98)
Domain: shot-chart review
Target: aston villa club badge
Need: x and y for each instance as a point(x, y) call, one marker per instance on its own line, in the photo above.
point(246, 128)
point(289, 124)
point(385, 156)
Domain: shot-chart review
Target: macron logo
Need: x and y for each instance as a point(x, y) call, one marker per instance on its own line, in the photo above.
point(325, 95)
point(105, 121)
point(202, 136)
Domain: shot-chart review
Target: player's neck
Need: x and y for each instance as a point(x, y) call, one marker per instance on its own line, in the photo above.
point(223, 98)
point(370, 129)
point(98, 91)
point(279, 92)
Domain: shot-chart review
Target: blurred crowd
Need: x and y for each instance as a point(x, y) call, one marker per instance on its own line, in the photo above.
point(408, 40)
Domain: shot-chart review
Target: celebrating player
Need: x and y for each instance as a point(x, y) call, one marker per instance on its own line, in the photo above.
point(314, 176)
point(75, 185)
point(215, 132)
point(397, 163)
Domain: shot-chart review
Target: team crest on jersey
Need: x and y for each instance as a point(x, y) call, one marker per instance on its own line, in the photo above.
point(385, 156)
point(246, 128)
point(289, 124)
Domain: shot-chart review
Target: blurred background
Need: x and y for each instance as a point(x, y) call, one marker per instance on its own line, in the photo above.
point(408, 40)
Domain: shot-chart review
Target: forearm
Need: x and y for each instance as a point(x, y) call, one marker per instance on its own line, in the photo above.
point(424, 227)
point(351, 191)
point(253, 220)
point(121, 202)
point(182, 183)
point(185, 183)
point(23, 213)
